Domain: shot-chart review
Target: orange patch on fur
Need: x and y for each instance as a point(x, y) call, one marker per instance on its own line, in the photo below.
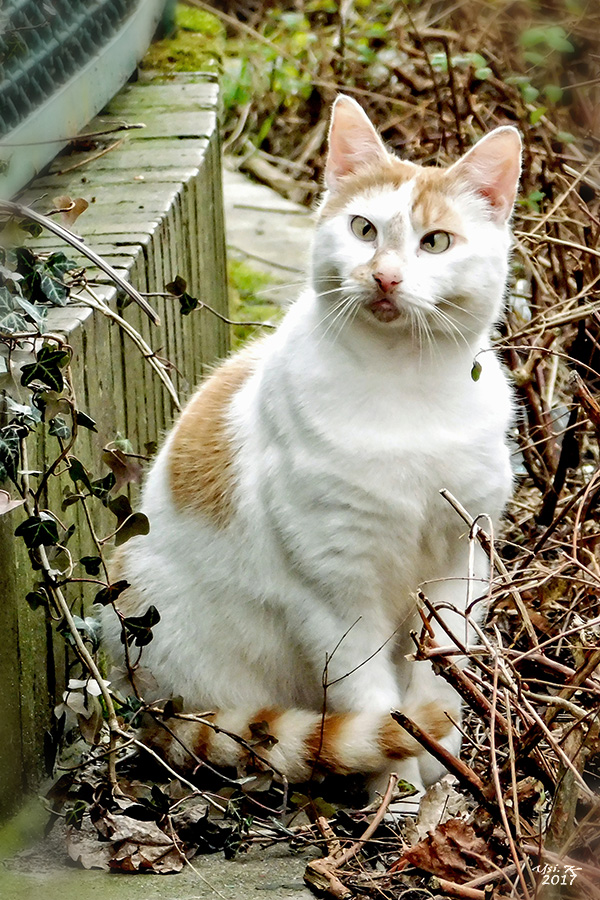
point(321, 749)
point(201, 459)
point(392, 175)
point(396, 743)
point(130, 602)
point(431, 208)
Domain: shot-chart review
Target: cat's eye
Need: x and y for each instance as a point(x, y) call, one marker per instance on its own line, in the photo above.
point(436, 241)
point(362, 228)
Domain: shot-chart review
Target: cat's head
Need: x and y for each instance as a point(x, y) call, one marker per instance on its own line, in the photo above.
point(407, 246)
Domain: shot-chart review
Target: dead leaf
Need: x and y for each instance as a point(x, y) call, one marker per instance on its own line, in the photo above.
point(123, 468)
point(441, 802)
point(139, 845)
point(452, 850)
point(69, 209)
point(84, 847)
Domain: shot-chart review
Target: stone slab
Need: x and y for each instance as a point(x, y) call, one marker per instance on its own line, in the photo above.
point(273, 875)
point(267, 231)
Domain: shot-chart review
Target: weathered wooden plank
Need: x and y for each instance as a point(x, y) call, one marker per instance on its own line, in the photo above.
point(157, 202)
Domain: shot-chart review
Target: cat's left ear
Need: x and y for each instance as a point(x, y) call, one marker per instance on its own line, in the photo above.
point(492, 168)
point(353, 142)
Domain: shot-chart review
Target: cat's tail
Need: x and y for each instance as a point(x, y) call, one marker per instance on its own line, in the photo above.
point(295, 743)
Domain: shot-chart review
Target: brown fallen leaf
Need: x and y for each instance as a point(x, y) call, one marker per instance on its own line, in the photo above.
point(85, 849)
point(452, 850)
point(70, 209)
point(138, 846)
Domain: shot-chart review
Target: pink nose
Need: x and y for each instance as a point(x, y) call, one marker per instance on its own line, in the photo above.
point(387, 280)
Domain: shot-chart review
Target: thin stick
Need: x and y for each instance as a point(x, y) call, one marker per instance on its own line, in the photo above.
point(485, 542)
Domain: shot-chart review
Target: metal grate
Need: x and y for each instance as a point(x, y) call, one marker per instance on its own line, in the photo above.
point(43, 43)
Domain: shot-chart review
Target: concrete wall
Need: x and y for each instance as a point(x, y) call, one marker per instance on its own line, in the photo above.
point(155, 212)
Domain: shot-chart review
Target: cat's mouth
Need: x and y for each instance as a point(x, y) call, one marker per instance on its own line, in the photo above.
point(384, 309)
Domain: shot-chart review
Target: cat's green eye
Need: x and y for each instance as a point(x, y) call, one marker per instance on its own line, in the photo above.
point(362, 228)
point(436, 241)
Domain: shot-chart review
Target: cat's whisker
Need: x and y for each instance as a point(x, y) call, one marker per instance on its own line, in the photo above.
point(304, 283)
point(351, 303)
point(341, 310)
point(443, 301)
point(453, 327)
point(330, 312)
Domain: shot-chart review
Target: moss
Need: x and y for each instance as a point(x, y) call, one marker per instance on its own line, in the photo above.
point(199, 44)
point(248, 298)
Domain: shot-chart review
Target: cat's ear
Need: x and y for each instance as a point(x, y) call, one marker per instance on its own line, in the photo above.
point(353, 142)
point(492, 168)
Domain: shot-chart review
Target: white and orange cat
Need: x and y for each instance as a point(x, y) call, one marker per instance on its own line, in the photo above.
point(295, 506)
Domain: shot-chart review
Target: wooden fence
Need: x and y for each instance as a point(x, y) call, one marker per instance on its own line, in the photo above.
point(155, 212)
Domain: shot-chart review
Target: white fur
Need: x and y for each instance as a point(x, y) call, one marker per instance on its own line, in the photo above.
point(343, 438)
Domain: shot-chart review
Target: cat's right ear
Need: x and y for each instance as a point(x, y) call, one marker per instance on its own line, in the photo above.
point(353, 142)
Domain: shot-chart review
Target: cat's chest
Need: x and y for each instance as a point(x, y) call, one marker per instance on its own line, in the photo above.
point(376, 451)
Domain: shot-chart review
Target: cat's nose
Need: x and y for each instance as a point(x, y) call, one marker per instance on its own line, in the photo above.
point(387, 281)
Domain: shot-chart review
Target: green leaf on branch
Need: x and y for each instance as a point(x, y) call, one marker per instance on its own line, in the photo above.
point(177, 287)
point(46, 368)
point(138, 629)
point(85, 421)
point(136, 524)
point(51, 290)
point(102, 487)
point(35, 599)
point(187, 304)
point(10, 451)
point(78, 473)
point(59, 428)
point(111, 593)
point(59, 264)
point(121, 507)
point(38, 530)
point(91, 564)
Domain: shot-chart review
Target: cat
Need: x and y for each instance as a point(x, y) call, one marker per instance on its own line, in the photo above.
point(295, 507)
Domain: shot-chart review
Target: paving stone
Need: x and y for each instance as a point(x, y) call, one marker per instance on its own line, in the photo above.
point(267, 231)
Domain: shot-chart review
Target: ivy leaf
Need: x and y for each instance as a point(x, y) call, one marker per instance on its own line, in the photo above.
point(121, 507)
point(111, 593)
point(177, 287)
point(38, 530)
point(50, 289)
point(91, 564)
point(58, 264)
point(10, 451)
point(89, 628)
point(59, 428)
point(102, 487)
point(138, 629)
point(35, 599)
point(10, 318)
point(46, 368)
point(187, 304)
point(78, 473)
point(35, 313)
point(85, 421)
point(138, 523)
